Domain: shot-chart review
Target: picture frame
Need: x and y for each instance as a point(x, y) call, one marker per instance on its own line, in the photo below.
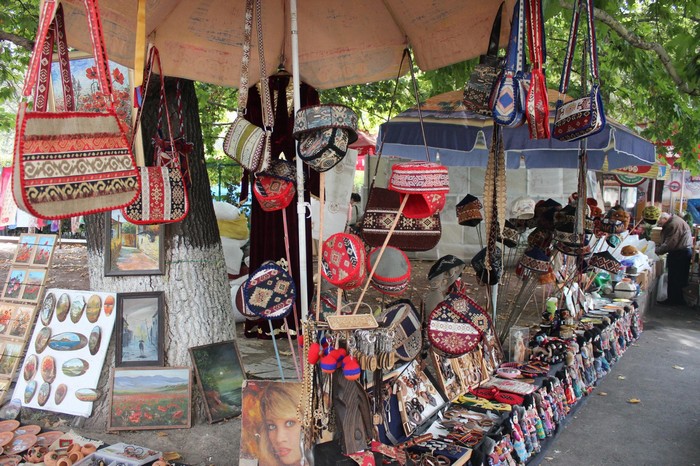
point(518, 338)
point(45, 247)
point(26, 248)
point(139, 329)
point(219, 374)
point(13, 283)
point(10, 356)
point(132, 249)
point(33, 285)
point(150, 398)
point(16, 319)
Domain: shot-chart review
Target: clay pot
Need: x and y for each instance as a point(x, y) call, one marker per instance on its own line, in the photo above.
point(35, 454)
point(51, 458)
point(75, 456)
point(64, 462)
point(88, 449)
point(74, 447)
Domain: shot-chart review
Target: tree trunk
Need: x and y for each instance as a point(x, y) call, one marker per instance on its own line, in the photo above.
point(198, 307)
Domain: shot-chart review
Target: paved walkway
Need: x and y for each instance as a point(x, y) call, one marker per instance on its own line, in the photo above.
point(662, 369)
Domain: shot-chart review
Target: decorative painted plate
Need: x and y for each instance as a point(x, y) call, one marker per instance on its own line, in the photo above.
point(48, 369)
point(5, 438)
point(75, 367)
point(42, 339)
point(67, 341)
point(76, 309)
point(46, 439)
point(109, 305)
point(9, 426)
point(44, 392)
point(87, 394)
point(30, 366)
point(28, 429)
point(62, 307)
point(21, 443)
point(94, 340)
point(92, 311)
point(60, 393)
point(12, 460)
point(47, 308)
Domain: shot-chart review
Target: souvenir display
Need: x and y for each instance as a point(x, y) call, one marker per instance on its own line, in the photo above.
point(61, 347)
point(424, 183)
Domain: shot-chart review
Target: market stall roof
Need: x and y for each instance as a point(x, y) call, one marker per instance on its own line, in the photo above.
point(340, 42)
point(462, 138)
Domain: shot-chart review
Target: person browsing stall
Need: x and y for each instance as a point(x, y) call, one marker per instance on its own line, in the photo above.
point(677, 241)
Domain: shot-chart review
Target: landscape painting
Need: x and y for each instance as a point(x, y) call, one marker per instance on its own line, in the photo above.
point(150, 398)
point(16, 319)
point(9, 359)
point(32, 285)
point(139, 329)
point(132, 249)
point(25, 249)
point(220, 376)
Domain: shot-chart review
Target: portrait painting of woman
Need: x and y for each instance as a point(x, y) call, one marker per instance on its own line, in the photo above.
point(271, 424)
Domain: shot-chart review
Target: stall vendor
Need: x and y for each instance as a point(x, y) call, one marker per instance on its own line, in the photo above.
point(677, 241)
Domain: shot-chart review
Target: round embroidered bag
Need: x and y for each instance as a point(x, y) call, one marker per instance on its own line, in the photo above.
point(269, 292)
point(324, 133)
point(425, 184)
point(343, 261)
point(401, 317)
point(393, 272)
point(275, 187)
point(452, 333)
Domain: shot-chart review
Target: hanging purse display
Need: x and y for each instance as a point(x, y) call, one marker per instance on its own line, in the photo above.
point(70, 163)
point(537, 100)
point(163, 197)
point(246, 143)
point(582, 117)
point(164, 152)
point(275, 188)
point(509, 93)
point(478, 90)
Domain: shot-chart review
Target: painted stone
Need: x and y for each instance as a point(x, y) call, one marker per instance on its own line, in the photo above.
point(94, 305)
point(109, 305)
point(30, 366)
point(62, 307)
point(29, 391)
point(76, 310)
point(44, 392)
point(67, 341)
point(42, 339)
point(60, 394)
point(87, 394)
point(75, 367)
point(94, 340)
point(48, 369)
point(47, 308)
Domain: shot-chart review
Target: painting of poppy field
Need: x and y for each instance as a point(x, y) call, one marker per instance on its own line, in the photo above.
point(151, 398)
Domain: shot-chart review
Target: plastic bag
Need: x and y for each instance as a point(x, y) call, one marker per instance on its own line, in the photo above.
point(662, 288)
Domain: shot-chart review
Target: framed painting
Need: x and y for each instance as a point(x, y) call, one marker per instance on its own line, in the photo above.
point(44, 250)
point(132, 249)
point(219, 374)
point(150, 398)
point(26, 248)
point(13, 283)
point(16, 319)
point(33, 285)
point(140, 329)
point(10, 355)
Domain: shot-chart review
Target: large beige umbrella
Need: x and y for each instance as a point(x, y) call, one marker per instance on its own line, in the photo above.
point(341, 42)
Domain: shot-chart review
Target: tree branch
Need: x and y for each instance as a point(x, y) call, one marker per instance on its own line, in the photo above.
point(640, 43)
point(17, 40)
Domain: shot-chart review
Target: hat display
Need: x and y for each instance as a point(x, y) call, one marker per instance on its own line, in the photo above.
point(608, 226)
point(324, 133)
point(444, 264)
point(541, 238)
point(469, 211)
point(620, 215)
point(275, 187)
point(509, 236)
point(393, 272)
point(402, 317)
point(523, 208)
point(425, 184)
point(535, 259)
point(569, 249)
point(269, 292)
point(492, 275)
point(651, 214)
point(629, 250)
point(450, 331)
point(343, 261)
point(605, 261)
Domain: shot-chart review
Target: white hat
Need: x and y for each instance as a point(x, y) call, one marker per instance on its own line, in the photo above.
point(523, 208)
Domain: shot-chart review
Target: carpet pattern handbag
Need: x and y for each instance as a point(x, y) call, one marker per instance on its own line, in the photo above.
point(402, 317)
point(451, 331)
point(269, 292)
point(537, 100)
point(163, 198)
point(585, 116)
point(70, 163)
point(343, 261)
point(275, 188)
point(510, 90)
point(246, 143)
point(478, 90)
point(324, 133)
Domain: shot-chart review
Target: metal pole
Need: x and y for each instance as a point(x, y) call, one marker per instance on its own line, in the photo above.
point(680, 205)
point(301, 205)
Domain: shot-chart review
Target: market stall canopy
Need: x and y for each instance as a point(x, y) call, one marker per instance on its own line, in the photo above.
point(462, 138)
point(340, 42)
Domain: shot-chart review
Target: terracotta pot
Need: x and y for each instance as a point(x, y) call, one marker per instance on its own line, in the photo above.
point(88, 449)
point(64, 462)
point(35, 454)
point(74, 447)
point(51, 458)
point(75, 456)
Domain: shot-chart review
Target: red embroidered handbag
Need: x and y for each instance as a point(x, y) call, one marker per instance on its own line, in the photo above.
point(70, 163)
point(275, 187)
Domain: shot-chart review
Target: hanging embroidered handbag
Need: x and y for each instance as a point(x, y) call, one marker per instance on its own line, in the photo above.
point(269, 292)
point(481, 84)
point(402, 318)
point(451, 332)
point(70, 163)
point(582, 117)
point(510, 90)
point(425, 184)
point(244, 142)
point(163, 197)
point(343, 261)
point(324, 133)
point(537, 99)
point(275, 187)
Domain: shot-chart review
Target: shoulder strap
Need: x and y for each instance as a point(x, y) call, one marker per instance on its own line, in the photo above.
point(515, 57)
point(570, 49)
point(495, 33)
point(245, 59)
point(268, 118)
point(592, 44)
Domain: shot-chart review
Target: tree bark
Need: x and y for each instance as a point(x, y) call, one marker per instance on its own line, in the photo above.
point(198, 307)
